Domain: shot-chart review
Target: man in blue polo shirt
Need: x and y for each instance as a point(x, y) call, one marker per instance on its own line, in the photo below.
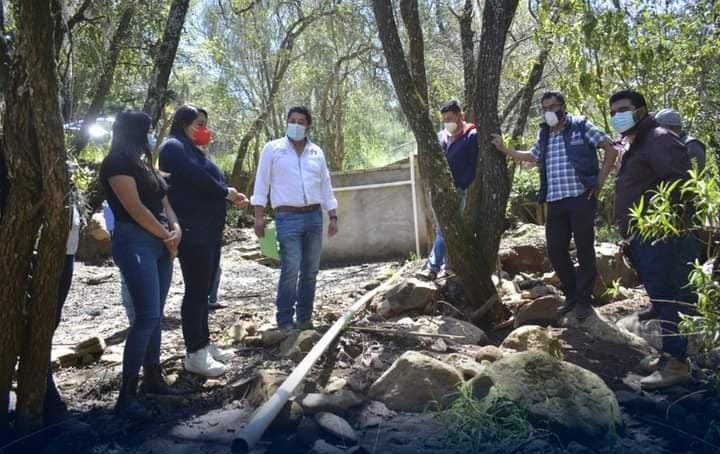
point(458, 140)
point(566, 152)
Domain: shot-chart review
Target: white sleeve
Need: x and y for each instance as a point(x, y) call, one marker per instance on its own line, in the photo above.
point(262, 178)
point(328, 197)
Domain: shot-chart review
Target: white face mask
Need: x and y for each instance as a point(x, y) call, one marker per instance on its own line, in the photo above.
point(295, 131)
point(551, 118)
point(451, 127)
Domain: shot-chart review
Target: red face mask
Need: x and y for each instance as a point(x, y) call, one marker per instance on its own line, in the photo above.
point(202, 136)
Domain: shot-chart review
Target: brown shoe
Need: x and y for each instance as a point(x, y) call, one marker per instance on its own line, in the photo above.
point(673, 371)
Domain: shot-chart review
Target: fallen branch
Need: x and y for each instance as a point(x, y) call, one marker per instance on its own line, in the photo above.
point(399, 332)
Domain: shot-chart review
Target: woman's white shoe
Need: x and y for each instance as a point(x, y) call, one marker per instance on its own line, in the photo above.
point(218, 354)
point(202, 363)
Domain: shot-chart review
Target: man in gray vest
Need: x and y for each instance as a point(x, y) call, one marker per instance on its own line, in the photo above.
point(671, 120)
point(570, 178)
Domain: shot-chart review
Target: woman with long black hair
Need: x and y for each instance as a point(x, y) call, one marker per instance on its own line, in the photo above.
point(199, 195)
point(144, 243)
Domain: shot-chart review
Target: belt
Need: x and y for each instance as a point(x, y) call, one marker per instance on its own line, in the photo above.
point(305, 209)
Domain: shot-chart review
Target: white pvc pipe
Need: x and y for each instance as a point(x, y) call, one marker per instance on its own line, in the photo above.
point(415, 206)
point(265, 415)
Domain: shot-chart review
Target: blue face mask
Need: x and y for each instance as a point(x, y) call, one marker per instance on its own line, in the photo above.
point(623, 121)
point(295, 131)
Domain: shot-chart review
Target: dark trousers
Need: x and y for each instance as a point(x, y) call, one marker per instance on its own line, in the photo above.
point(52, 396)
point(664, 267)
point(145, 263)
point(199, 263)
point(573, 217)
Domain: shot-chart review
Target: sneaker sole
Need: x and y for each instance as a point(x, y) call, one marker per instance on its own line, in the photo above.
point(205, 373)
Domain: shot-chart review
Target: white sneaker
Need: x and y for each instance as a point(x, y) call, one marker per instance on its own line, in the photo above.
point(202, 363)
point(218, 354)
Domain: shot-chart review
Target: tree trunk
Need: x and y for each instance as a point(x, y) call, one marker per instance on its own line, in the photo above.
point(467, 38)
point(472, 240)
point(106, 79)
point(528, 91)
point(34, 228)
point(487, 198)
point(157, 92)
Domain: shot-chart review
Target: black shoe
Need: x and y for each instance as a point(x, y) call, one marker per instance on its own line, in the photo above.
point(216, 306)
point(154, 383)
point(566, 307)
point(648, 313)
point(128, 405)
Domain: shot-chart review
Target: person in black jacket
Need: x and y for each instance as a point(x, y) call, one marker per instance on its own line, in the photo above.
point(199, 195)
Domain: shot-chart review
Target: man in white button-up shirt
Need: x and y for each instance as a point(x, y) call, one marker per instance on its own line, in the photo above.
point(294, 172)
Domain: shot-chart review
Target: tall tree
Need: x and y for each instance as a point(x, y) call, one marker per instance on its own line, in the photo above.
point(157, 96)
point(106, 79)
point(34, 226)
point(473, 238)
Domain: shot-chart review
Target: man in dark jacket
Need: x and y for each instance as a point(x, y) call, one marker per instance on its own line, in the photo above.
point(671, 119)
point(570, 178)
point(655, 155)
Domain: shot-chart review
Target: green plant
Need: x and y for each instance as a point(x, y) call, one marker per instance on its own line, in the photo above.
point(473, 425)
point(523, 202)
point(614, 290)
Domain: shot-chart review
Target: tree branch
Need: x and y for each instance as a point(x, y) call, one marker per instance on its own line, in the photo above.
point(79, 15)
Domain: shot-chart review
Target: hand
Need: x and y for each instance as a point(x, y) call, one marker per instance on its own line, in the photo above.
point(498, 142)
point(172, 242)
point(242, 201)
point(333, 227)
point(259, 227)
point(232, 195)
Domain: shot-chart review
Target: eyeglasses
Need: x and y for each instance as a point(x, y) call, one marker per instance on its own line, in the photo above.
point(621, 109)
point(552, 107)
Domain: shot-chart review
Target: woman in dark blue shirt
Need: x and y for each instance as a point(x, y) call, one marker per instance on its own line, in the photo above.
point(199, 195)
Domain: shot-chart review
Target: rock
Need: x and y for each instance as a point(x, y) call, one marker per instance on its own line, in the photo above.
point(267, 381)
point(524, 250)
point(338, 402)
point(599, 328)
point(612, 267)
point(634, 401)
point(92, 346)
point(95, 244)
point(467, 366)
point(288, 419)
point(539, 291)
point(552, 278)
point(374, 414)
point(308, 432)
point(337, 427)
point(413, 381)
point(272, 337)
point(533, 337)
point(323, 447)
point(297, 344)
point(488, 353)
point(541, 310)
point(409, 295)
point(448, 325)
point(574, 402)
point(240, 330)
point(336, 384)
point(508, 289)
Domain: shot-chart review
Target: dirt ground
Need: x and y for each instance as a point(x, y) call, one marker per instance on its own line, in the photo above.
point(208, 418)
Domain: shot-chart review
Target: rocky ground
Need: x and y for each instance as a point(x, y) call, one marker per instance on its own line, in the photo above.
point(386, 383)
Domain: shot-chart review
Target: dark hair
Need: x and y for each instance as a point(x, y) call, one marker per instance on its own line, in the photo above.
point(635, 98)
point(203, 111)
point(450, 106)
point(553, 94)
point(301, 110)
point(129, 138)
point(183, 118)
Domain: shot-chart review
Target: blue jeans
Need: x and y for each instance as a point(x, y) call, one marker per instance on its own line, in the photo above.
point(126, 300)
point(438, 256)
point(145, 263)
point(300, 238)
point(663, 268)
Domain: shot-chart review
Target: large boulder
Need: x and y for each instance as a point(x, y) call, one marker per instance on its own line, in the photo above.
point(95, 244)
point(414, 381)
point(612, 267)
point(524, 250)
point(469, 333)
point(543, 310)
point(574, 402)
point(410, 295)
point(533, 337)
point(599, 328)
